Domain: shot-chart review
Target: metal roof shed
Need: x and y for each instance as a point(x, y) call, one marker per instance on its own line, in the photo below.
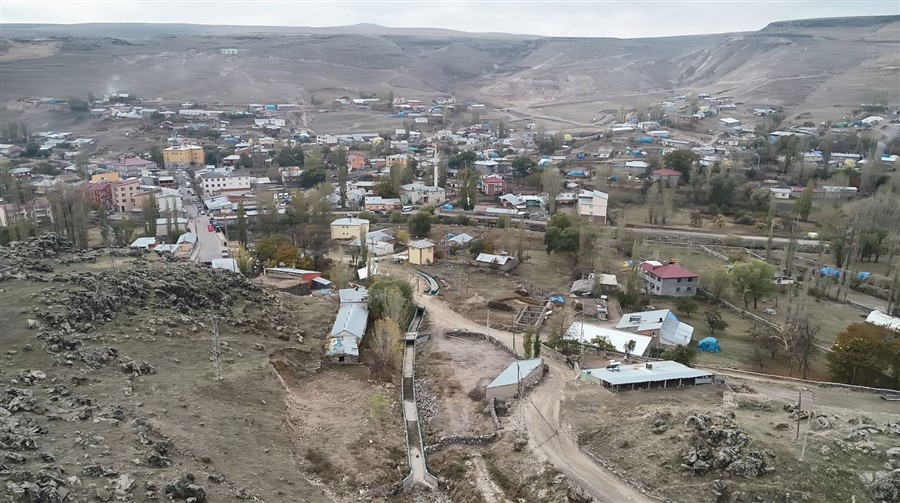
point(521, 372)
point(660, 374)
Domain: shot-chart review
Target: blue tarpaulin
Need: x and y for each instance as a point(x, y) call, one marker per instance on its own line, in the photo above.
point(863, 276)
point(557, 299)
point(830, 271)
point(710, 345)
point(447, 207)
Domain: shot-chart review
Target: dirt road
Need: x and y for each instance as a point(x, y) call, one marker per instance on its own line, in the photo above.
point(547, 433)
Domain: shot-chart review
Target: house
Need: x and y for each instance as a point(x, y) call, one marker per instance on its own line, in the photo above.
point(604, 152)
point(125, 194)
point(485, 167)
point(517, 376)
point(376, 203)
point(378, 243)
point(661, 324)
point(501, 262)
point(349, 228)
point(349, 326)
point(106, 177)
point(356, 161)
point(145, 243)
point(460, 240)
point(421, 252)
point(228, 264)
point(641, 165)
point(34, 212)
point(661, 374)
point(417, 193)
point(21, 173)
point(398, 160)
point(100, 193)
point(584, 333)
point(131, 166)
point(669, 280)
point(592, 205)
point(214, 182)
point(493, 185)
point(729, 122)
point(183, 156)
point(781, 192)
point(669, 177)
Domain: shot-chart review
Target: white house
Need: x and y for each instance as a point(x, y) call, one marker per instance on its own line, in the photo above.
point(592, 205)
point(214, 183)
point(729, 122)
point(418, 193)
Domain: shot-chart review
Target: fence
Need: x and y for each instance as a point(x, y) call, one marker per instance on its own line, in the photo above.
point(742, 312)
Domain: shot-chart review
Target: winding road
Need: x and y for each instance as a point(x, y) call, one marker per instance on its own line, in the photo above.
point(547, 432)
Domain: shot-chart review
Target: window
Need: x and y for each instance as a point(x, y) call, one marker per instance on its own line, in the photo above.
point(678, 289)
point(679, 280)
point(690, 280)
point(690, 289)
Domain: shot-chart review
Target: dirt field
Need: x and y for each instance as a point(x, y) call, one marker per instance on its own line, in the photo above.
point(646, 434)
point(456, 372)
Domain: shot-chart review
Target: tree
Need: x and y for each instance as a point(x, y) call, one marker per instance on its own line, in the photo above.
point(803, 206)
point(151, 213)
point(378, 297)
point(245, 161)
point(629, 347)
point(716, 282)
point(551, 183)
point(78, 105)
point(753, 280)
point(290, 156)
point(536, 351)
point(523, 166)
point(685, 355)
point(719, 220)
point(420, 225)
point(720, 190)
point(339, 158)
point(242, 225)
point(467, 195)
point(715, 323)
point(697, 218)
point(462, 160)
point(528, 343)
point(384, 348)
point(402, 237)
point(561, 235)
point(340, 275)
point(396, 217)
point(70, 209)
point(602, 344)
point(866, 355)
point(244, 260)
point(310, 177)
point(156, 154)
point(686, 305)
point(682, 161)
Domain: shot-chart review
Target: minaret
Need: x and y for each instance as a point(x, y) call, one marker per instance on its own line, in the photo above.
point(435, 167)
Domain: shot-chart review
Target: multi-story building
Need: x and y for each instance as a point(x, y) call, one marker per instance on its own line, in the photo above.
point(376, 203)
point(34, 212)
point(592, 205)
point(131, 166)
point(417, 193)
point(398, 160)
point(183, 156)
point(125, 194)
point(349, 228)
point(100, 193)
point(669, 280)
point(213, 183)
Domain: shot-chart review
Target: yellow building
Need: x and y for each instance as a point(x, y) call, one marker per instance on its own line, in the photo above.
point(105, 177)
point(183, 156)
point(421, 252)
point(349, 228)
point(398, 160)
point(126, 195)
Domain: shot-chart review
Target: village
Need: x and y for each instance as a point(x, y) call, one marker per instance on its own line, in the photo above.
point(479, 259)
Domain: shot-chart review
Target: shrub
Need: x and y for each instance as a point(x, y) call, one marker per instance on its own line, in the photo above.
point(320, 464)
point(476, 394)
point(745, 220)
point(732, 240)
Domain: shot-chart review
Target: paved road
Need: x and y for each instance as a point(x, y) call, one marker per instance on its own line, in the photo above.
point(209, 244)
point(547, 433)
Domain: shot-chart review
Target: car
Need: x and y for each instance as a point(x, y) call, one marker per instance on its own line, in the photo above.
point(769, 311)
point(406, 209)
point(226, 252)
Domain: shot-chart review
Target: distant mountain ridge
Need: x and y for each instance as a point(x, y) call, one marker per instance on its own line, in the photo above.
point(793, 63)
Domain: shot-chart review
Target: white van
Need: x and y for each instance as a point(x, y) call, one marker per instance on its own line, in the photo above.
point(406, 209)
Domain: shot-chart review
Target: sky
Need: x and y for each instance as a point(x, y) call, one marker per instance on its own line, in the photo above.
point(631, 19)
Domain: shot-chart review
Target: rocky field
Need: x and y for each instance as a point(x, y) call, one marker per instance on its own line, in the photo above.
point(110, 391)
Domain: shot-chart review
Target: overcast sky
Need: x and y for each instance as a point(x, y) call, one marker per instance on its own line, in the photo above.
point(635, 18)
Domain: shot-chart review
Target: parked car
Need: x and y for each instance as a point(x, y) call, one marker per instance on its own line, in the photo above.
point(769, 311)
point(406, 209)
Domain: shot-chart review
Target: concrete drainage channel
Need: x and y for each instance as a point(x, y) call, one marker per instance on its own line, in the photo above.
point(418, 470)
point(433, 286)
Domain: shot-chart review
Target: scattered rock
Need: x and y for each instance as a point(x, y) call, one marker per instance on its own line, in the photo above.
point(186, 489)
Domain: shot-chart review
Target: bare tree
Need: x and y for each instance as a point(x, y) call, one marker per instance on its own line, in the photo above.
point(70, 211)
point(551, 183)
point(385, 348)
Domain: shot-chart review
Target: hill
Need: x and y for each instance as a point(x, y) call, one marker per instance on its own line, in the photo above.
point(792, 63)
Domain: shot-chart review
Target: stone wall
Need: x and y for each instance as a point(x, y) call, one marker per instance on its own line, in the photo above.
point(469, 439)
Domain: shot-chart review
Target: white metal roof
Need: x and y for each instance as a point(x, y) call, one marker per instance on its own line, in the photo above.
point(353, 295)
point(350, 221)
point(516, 371)
point(488, 258)
point(882, 320)
point(143, 242)
point(640, 373)
point(421, 244)
point(617, 338)
point(351, 319)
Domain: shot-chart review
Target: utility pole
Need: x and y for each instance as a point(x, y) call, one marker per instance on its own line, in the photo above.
point(217, 344)
point(799, 402)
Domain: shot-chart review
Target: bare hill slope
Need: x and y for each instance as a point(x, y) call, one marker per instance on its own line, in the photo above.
point(789, 63)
